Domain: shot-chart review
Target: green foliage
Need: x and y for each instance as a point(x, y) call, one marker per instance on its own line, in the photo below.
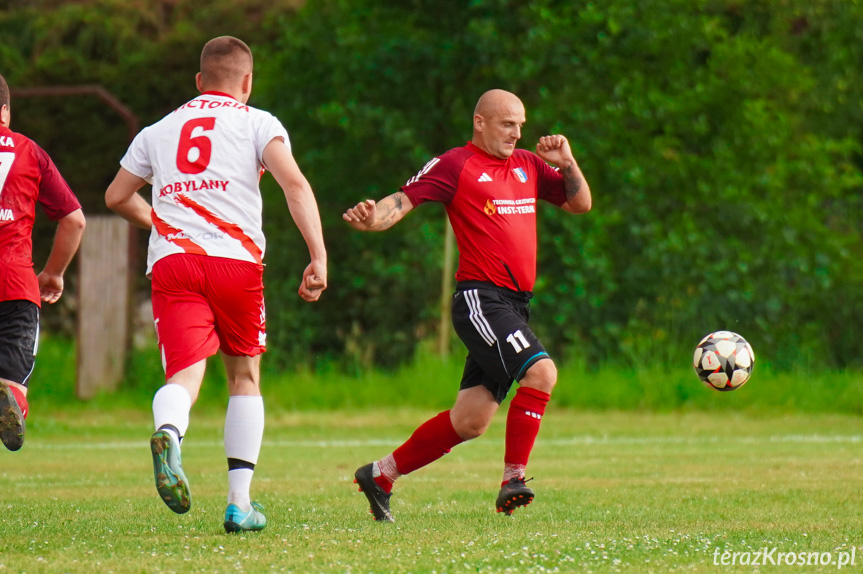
point(721, 140)
point(719, 202)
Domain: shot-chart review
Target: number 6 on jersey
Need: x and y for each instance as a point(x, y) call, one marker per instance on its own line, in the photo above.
point(200, 142)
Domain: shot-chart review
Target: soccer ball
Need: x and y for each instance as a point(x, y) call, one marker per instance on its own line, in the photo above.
point(723, 360)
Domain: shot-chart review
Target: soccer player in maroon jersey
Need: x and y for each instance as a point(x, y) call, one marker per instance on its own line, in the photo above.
point(27, 176)
point(490, 191)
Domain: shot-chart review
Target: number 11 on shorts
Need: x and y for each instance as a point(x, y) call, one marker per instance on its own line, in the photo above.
point(518, 342)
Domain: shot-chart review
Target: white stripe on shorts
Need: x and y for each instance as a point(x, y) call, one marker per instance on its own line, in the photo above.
point(477, 318)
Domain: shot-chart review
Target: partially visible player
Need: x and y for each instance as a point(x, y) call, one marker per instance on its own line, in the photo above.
point(27, 177)
point(490, 190)
point(205, 259)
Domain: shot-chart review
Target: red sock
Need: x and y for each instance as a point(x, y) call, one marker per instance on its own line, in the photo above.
point(433, 439)
point(21, 398)
point(522, 426)
point(389, 472)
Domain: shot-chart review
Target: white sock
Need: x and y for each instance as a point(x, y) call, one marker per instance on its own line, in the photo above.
point(171, 406)
point(239, 483)
point(244, 431)
point(386, 467)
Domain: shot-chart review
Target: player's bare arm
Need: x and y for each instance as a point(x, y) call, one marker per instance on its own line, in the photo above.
point(371, 216)
point(69, 231)
point(304, 210)
point(123, 199)
point(555, 149)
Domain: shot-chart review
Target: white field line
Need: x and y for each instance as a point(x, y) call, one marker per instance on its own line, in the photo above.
point(573, 441)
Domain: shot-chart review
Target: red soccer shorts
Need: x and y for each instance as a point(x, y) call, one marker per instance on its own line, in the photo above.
point(203, 304)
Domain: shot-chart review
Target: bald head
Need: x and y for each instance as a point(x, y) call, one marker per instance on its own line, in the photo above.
point(496, 101)
point(225, 63)
point(497, 121)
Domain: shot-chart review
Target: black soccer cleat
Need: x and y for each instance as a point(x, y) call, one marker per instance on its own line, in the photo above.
point(512, 495)
point(378, 499)
point(11, 419)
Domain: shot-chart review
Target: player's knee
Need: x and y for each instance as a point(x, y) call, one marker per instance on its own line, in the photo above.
point(471, 429)
point(542, 376)
point(244, 385)
point(470, 426)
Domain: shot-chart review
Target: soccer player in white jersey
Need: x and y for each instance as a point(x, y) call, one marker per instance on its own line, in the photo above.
point(205, 255)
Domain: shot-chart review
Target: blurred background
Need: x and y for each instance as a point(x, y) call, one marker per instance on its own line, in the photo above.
point(721, 140)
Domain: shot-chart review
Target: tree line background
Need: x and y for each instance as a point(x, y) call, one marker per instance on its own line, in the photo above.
point(721, 139)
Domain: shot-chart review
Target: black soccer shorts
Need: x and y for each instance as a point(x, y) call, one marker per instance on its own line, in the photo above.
point(492, 323)
point(19, 339)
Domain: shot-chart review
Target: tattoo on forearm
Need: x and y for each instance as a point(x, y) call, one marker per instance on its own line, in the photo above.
point(388, 212)
point(572, 181)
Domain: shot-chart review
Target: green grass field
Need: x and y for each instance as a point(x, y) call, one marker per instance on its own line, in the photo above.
point(616, 492)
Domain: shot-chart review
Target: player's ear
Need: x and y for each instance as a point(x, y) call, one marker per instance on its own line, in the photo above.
point(247, 87)
point(477, 123)
point(5, 116)
point(198, 82)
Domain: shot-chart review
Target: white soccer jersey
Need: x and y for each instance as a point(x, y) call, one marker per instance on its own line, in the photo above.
point(204, 162)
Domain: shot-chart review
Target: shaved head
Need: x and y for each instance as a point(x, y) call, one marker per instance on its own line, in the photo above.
point(497, 121)
point(495, 101)
point(225, 61)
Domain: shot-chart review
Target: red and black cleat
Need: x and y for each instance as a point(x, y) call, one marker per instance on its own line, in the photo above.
point(512, 495)
point(379, 500)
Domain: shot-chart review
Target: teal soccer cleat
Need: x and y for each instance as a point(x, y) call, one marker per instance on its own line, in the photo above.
point(168, 468)
point(238, 521)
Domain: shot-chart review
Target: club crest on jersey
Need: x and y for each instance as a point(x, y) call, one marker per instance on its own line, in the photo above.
point(490, 207)
point(520, 174)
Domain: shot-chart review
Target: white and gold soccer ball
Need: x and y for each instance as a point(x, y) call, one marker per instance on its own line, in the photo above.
point(723, 361)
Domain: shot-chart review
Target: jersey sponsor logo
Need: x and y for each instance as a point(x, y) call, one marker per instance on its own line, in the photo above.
point(178, 238)
point(6, 141)
point(193, 185)
point(484, 177)
point(510, 206)
point(6, 215)
point(520, 174)
point(433, 162)
point(200, 104)
point(205, 235)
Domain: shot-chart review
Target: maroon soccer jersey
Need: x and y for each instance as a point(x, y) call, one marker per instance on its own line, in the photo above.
point(491, 204)
point(27, 176)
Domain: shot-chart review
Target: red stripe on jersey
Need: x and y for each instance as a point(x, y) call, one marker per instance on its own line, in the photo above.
point(231, 229)
point(167, 231)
